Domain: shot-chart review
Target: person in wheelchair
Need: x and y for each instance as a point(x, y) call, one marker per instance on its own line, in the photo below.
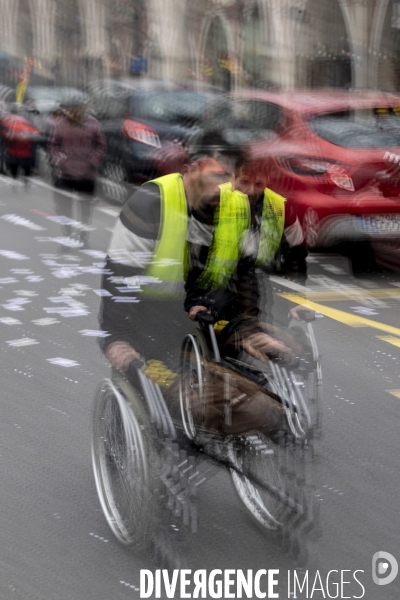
point(232, 293)
point(273, 241)
point(142, 295)
point(184, 227)
point(141, 299)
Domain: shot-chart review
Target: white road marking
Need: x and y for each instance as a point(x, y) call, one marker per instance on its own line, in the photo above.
point(94, 253)
point(66, 311)
point(45, 321)
point(13, 255)
point(290, 284)
point(99, 537)
point(27, 293)
point(94, 333)
point(364, 310)
point(125, 299)
point(333, 269)
point(22, 342)
point(63, 362)
point(16, 220)
point(10, 321)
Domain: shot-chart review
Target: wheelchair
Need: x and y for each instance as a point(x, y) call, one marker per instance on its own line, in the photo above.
point(271, 477)
point(147, 478)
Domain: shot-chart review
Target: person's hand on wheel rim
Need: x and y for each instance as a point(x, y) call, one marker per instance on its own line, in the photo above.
point(120, 355)
point(261, 345)
point(195, 310)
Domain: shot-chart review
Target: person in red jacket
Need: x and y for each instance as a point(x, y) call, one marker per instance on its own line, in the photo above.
point(77, 146)
point(19, 136)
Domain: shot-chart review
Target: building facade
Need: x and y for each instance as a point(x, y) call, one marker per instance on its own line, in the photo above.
point(226, 43)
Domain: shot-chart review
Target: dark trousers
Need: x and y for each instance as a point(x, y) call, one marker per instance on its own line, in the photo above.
point(24, 163)
point(63, 202)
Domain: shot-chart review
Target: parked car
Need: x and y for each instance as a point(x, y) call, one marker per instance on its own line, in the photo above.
point(140, 119)
point(45, 99)
point(334, 154)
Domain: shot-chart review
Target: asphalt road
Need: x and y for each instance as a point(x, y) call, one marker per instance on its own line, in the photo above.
point(55, 542)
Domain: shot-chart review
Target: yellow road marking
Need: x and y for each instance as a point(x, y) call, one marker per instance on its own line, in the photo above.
point(395, 393)
point(341, 315)
point(395, 341)
point(353, 294)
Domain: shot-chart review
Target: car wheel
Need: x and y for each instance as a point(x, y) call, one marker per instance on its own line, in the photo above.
point(362, 259)
point(114, 181)
point(311, 228)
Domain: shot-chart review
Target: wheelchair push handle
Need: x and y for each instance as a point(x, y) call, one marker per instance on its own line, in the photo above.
point(304, 314)
point(205, 318)
point(134, 366)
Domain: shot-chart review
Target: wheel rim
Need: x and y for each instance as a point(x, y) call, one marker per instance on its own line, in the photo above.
point(265, 465)
point(191, 387)
point(120, 465)
point(311, 227)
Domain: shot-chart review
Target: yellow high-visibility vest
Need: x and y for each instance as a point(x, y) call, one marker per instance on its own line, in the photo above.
point(231, 221)
point(168, 268)
point(272, 226)
point(164, 275)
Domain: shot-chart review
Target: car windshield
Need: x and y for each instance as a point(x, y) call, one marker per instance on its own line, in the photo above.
point(377, 127)
point(176, 107)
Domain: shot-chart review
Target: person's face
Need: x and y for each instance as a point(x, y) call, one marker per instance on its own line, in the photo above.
point(250, 183)
point(206, 175)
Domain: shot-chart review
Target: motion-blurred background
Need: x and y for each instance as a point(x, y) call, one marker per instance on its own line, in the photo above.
point(226, 43)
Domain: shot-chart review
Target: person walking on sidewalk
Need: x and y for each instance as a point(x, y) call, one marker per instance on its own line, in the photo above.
point(77, 146)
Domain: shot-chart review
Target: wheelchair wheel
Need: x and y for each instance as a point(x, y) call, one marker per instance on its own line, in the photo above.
point(191, 389)
point(312, 373)
point(125, 465)
point(261, 481)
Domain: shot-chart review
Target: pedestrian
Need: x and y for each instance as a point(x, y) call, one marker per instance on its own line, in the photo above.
point(77, 146)
point(19, 137)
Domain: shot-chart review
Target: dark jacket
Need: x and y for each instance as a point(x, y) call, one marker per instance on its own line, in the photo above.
point(77, 148)
point(156, 328)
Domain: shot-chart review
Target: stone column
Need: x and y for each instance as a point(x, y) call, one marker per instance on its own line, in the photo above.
point(8, 26)
point(169, 27)
point(95, 39)
point(43, 18)
point(282, 43)
point(93, 16)
point(356, 16)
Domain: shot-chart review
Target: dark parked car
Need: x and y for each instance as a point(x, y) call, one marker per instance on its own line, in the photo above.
point(140, 119)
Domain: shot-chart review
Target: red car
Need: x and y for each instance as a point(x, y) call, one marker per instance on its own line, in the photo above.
point(334, 154)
